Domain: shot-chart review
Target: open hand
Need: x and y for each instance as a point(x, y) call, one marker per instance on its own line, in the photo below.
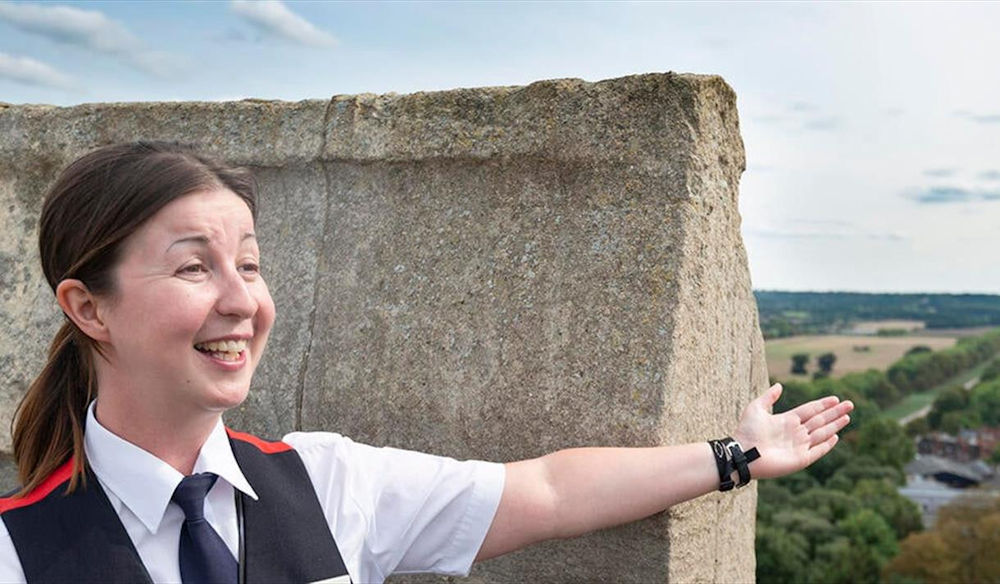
point(792, 440)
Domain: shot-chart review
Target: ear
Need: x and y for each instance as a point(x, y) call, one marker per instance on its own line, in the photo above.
point(81, 307)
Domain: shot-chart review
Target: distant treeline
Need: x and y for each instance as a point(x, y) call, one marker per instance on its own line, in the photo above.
point(784, 314)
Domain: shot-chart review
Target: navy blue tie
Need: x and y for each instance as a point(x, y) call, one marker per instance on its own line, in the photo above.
point(204, 557)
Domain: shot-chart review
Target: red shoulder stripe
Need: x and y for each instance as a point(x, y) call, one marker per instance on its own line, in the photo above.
point(263, 446)
point(58, 477)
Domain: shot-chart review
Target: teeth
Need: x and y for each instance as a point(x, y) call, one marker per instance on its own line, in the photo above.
point(223, 346)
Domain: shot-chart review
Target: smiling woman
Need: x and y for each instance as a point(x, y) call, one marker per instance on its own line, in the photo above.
point(87, 224)
point(130, 476)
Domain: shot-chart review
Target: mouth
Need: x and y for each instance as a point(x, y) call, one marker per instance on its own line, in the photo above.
point(224, 350)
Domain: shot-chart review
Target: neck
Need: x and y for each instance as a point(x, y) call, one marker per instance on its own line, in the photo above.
point(175, 439)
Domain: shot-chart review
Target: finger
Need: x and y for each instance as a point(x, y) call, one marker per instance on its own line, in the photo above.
point(823, 434)
point(810, 409)
point(818, 451)
point(825, 417)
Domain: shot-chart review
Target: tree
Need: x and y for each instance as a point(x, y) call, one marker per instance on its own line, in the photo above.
point(814, 527)
point(918, 349)
point(830, 504)
point(991, 372)
point(825, 362)
point(872, 544)
point(953, 399)
point(924, 557)
point(985, 401)
point(862, 467)
point(874, 385)
point(918, 427)
point(771, 498)
point(886, 441)
point(953, 422)
point(960, 548)
point(799, 362)
point(881, 496)
point(833, 563)
point(798, 482)
point(781, 556)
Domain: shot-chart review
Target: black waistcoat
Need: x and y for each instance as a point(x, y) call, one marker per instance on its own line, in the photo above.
point(79, 538)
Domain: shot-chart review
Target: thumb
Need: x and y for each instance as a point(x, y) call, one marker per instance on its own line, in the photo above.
point(771, 396)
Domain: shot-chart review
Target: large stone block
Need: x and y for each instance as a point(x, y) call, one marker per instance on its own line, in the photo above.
point(491, 273)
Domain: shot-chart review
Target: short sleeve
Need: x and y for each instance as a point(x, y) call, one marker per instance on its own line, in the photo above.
point(398, 511)
point(10, 564)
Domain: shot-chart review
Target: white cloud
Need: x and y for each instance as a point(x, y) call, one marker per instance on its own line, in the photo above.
point(990, 118)
point(946, 194)
point(823, 229)
point(87, 29)
point(823, 123)
point(32, 72)
point(273, 17)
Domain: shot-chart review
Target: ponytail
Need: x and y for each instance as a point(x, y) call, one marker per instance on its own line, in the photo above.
point(49, 422)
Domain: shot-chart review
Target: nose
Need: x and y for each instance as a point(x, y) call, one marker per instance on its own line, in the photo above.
point(235, 297)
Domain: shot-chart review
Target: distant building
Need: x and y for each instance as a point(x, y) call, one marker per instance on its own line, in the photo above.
point(969, 445)
point(934, 481)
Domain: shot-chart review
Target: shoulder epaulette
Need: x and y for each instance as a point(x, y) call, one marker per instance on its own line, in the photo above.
point(51, 483)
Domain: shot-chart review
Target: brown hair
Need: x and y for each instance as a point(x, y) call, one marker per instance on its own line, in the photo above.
point(94, 206)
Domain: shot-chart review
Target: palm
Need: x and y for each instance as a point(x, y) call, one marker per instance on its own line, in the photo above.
point(792, 440)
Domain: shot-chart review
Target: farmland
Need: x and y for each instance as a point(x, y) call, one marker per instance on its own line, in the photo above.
point(850, 350)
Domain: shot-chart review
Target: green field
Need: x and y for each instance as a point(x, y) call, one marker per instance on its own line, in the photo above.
point(880, 354)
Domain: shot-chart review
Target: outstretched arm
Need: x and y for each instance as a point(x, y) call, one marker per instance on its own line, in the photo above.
point(572, 492)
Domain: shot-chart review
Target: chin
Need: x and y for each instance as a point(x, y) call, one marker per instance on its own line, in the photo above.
point(226, 398)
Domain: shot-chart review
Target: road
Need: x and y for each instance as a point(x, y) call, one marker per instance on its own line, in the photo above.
point(917, 414)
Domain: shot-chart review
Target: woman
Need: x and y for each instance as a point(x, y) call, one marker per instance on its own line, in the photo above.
point(129, 474)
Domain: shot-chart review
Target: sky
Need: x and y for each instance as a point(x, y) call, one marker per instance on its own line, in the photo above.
point(872, 130)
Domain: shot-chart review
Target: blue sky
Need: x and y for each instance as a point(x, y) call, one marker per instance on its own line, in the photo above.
point(872, 130)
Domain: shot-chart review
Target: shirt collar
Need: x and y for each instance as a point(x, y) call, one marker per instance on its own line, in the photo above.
point(143, 482)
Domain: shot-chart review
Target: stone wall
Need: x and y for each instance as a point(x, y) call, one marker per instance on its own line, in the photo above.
point(490, 273)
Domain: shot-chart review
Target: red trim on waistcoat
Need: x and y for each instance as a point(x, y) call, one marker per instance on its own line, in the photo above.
point(263, 446)
point(58, 477)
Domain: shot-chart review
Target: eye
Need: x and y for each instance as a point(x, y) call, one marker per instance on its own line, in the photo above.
point(193, 269)
point(250, 268)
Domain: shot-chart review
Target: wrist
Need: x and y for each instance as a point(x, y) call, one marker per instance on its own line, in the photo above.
point(732, 462)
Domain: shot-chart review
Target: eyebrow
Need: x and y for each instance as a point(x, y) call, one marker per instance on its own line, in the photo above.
point(203, 239)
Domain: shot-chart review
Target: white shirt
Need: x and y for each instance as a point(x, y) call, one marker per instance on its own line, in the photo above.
point(390, 511)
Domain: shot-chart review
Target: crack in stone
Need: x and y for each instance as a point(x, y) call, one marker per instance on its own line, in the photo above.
point(307, 359)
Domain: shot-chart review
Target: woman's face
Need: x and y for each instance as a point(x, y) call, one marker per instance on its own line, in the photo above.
point(189, 318)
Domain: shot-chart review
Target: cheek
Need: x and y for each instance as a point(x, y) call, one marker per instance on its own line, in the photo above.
point(182, 313)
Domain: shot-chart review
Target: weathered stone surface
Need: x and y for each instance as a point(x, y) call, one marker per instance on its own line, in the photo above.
point(490, 273)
